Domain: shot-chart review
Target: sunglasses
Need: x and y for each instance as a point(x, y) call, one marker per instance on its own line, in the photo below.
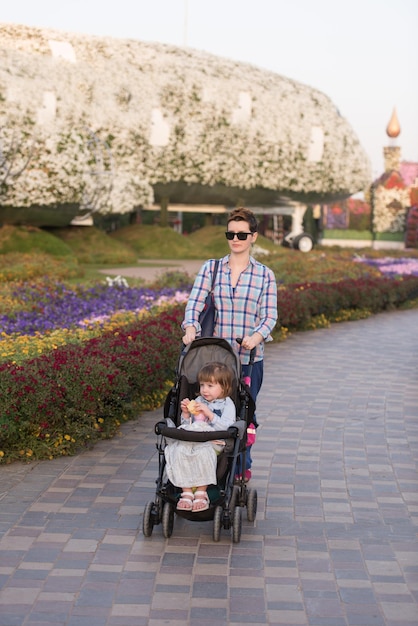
point(241, 236)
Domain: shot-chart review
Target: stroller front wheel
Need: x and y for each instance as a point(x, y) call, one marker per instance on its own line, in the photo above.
point(237, 525)
point(217, 523)
point(235, 496)
point(148, 519)
point(251, 505)
point(168, 520)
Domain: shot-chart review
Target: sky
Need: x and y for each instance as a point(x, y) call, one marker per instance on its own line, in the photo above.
point(361, 53)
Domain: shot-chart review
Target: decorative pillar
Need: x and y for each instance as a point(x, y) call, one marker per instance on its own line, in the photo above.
point(389, 195)
point(392, 153)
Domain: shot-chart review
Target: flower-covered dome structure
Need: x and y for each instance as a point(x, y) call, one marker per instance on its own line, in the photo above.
point(113, 124)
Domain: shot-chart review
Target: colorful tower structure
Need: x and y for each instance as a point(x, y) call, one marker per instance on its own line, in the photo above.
point(390, 197)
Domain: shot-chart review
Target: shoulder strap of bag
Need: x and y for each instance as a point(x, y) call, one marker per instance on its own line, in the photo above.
point(215, 271)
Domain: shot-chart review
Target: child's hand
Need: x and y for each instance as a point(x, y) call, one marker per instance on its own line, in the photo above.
point(203, 408)
point(183, 406)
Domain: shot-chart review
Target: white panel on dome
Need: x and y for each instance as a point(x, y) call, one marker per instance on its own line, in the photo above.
point(242, 113)
point(46, 113)
point(62, 50)
point(316, 145)
point(160, 129)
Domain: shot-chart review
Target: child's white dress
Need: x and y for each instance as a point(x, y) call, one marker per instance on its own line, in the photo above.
point(192, 464)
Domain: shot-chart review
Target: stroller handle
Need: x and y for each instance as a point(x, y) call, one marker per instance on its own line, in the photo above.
point(235, 431)
point(247, 379)
point(252, 352)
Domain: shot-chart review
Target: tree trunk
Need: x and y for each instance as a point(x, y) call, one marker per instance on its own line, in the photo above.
point(164, 212)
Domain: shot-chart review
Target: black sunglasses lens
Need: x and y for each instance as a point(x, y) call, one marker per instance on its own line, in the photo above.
point(241, 236)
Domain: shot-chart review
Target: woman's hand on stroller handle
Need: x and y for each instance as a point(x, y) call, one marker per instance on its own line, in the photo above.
point(189, 335)
point(248, 343)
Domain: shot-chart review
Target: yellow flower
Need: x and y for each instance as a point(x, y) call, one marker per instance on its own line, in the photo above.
point(1, 453)
point(67, 437)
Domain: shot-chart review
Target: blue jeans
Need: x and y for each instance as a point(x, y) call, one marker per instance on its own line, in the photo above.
point(256, 382)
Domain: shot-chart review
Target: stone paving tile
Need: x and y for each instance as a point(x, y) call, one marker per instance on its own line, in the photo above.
point(335, 538)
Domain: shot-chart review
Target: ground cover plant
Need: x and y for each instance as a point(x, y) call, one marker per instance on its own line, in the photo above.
point(77, 359)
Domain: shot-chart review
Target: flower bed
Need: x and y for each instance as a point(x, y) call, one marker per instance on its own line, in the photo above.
point(91, 358)
point(299, 305)
point(42, 316)
point(44, 307)
point(393, 267)
point(70, 397)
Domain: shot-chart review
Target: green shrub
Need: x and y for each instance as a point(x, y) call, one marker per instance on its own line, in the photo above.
point(93, 246)
point(29, 240)
point(15, 266)
point(318, 266)
point(156, 242)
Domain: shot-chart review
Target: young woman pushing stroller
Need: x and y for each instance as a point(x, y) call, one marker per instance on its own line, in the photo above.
point(245, 296)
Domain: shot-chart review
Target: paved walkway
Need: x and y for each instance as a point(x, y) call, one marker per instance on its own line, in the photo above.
point(335, 538)
point(151, 270)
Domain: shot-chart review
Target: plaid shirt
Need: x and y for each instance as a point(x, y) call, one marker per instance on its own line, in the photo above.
point(248, 308)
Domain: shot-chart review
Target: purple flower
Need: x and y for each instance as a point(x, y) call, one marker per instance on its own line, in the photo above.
point(392, 267)
point(48, 308)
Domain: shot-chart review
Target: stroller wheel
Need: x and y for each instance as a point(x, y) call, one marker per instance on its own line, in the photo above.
point(237, 525)
point(251, 504)
point(234, 498)
point(168, 520)
point(217, 523)
point(148, 519)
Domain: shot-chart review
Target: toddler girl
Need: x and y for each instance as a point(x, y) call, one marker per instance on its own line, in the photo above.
point(190, 465)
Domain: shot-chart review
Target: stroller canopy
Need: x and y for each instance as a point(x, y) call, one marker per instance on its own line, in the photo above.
point(205, 350)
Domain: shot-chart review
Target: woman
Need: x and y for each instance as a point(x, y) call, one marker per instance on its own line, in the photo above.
point(245, 296)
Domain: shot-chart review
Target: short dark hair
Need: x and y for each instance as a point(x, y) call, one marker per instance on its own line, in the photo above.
point(216, 372)
point(244, 215)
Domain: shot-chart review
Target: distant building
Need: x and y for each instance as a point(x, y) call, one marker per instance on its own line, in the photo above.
point(389, 216)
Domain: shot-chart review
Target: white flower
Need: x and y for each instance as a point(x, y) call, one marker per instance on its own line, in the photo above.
point(390, 207)
point(119, 281)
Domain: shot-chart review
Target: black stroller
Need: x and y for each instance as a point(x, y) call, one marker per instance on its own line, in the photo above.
point(228, 496)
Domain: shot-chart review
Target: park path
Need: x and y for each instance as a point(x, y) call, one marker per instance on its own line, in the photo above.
point(150, 270)
point(334, 542)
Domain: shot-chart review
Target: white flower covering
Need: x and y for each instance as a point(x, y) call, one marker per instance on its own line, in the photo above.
point(174, 119)
point(390, 207)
